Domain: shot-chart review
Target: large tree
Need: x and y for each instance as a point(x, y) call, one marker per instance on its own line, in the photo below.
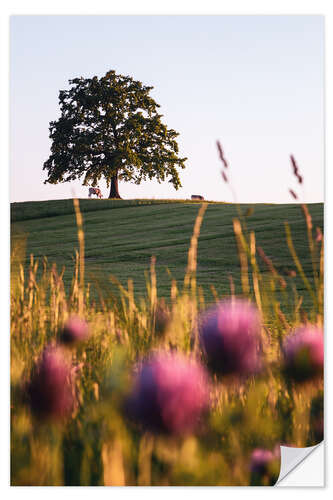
point(109, 127)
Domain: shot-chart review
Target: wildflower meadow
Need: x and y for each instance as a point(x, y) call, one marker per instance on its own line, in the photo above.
point(173, 390)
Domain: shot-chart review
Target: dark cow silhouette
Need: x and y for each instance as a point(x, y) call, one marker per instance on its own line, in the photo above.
point(95, 191)
point(197, 197)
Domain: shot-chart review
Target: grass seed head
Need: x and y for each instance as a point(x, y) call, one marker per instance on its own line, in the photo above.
point(162, 317)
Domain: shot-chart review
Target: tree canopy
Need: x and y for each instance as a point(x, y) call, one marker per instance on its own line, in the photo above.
point(109, 127)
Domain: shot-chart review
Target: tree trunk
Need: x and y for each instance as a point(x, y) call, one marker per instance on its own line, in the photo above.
point(114, 193)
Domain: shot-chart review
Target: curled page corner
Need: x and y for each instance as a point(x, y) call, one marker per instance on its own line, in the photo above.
point(291, 457)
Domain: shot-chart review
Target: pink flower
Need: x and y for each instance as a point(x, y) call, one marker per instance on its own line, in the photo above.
point(230, 337)
point(75, 330)
point(50, 389)
point(303, 353)
point(260, 461)
point(170, 394)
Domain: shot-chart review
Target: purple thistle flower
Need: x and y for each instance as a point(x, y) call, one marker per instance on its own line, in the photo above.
point(261, 460)
point(170, 394)
point(303, 353)
point(230, 337)
point(49, 391)
point(75, 330)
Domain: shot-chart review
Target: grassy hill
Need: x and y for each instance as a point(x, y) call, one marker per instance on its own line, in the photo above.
point(122, 235)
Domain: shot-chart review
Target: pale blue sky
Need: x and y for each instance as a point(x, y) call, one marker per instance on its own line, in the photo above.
point(254, 82)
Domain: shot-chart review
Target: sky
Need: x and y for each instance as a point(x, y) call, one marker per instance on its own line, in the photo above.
point(256, 83)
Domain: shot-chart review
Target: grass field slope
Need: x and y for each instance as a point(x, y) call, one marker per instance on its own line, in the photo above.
point(121, 236)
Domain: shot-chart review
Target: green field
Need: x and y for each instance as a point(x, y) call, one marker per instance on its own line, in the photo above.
point(122, 235)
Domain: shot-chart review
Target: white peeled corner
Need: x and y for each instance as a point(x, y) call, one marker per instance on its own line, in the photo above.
point(302, 466)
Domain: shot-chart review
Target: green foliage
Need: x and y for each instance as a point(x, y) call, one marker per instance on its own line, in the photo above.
point(110, 126)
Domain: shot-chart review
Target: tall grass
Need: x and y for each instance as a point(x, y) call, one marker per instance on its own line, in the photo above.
point(97, 445)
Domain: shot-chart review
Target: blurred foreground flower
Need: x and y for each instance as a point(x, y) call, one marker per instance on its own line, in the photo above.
point(303, 353)
point(170, 394)
point(264, 467)
point(75, 330)
point(50, 391)
point(230, 337)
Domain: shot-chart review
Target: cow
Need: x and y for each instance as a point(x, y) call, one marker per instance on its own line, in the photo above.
point(95, 191)
point(197, 197)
